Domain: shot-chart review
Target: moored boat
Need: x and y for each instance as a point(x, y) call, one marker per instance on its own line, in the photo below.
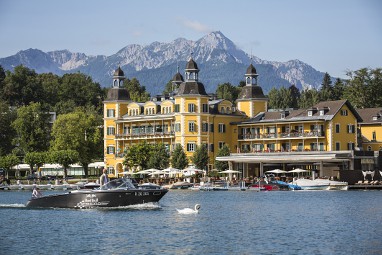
point(116, 193)
point(320, 184)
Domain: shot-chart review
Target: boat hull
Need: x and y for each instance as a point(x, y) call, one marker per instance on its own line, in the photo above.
point(83, 199)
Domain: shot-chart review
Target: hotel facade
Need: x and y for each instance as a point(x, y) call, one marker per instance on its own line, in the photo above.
point(326, 138)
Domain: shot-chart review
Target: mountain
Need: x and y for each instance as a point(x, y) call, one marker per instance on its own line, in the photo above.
point(218, 59)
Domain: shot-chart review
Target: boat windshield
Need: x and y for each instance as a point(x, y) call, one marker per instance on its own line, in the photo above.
point(121, 183)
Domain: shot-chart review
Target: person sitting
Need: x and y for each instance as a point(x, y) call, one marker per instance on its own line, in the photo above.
point(36, 193)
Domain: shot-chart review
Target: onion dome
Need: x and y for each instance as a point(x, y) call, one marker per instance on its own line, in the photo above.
point(251, 70)
point(119, 72)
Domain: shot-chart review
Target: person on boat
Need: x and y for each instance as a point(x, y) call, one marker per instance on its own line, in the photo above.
point(104, 178)
point(36, 193)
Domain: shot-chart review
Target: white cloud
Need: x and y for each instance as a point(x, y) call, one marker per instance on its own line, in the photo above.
point(195, 25)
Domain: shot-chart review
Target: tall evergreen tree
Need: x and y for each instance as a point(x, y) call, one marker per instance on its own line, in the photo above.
point(179, 159)
point(223, 151)
point(308, 98)
point(338, 89)
point(326, 90)
point(295, 95)
point(200, 157)
point(159, 157)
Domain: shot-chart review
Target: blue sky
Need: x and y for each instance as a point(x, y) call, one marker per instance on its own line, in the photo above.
point(331, 35)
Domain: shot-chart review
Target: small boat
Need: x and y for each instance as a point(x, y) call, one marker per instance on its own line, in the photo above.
point(214, 186)
point(116, 193)
point(320, 184)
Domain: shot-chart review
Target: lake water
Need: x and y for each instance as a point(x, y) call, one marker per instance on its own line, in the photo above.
point(229, 222)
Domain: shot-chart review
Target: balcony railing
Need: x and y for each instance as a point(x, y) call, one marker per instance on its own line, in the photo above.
point(281, 135)
point(145, 135)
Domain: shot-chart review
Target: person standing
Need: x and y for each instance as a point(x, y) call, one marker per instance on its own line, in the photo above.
point(104, 178)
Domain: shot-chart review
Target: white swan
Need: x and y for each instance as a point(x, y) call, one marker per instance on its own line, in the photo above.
point(189, 210)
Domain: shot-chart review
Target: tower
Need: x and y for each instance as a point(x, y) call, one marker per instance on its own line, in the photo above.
point(251, 99)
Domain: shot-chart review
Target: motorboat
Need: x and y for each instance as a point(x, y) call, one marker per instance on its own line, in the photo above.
point(116, 193)
point(214, 186)
point(269, 186)
point(320, 184)
point(269, 183)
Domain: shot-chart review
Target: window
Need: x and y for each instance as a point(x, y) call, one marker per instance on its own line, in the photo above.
point(205, 127)
point(222, 110)
point(322, 112)
point(321, 147)
point(221, 144)
point(110, 150)
point(351, 129)
point(211, 147)
point(205, 107)
point(177, 127)
point(313, 146)
point(338, 146)
point(221, 128)
point(337, 128)
point(350, 146)
point(300, 147)
point(191, 126)
point(344, 112)
point(176, 108)
point(191, 147)
point(110, 130)
point(369, 148)
point(374, 136)
point(211, 128)
point(110, 113)
point(310, 113)
point(191, 107)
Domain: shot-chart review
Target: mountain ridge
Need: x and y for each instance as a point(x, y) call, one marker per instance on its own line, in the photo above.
point(218, 58)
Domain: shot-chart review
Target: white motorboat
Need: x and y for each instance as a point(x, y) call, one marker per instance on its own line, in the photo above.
point(320, 184)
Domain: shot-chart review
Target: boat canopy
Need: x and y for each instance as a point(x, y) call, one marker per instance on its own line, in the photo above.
point(120, 183)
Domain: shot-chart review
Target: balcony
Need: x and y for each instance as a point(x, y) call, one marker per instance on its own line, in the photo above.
point(145, 135)
point(285, 135)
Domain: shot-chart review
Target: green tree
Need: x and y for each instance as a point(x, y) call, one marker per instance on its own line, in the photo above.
point(21, 87)
point(7, 132)
point(137, 92)
point(338, 89)
point(169, 87)
point(179, 159)
point(295, 94)
point(159, 157)
point(8, 161)
point(138, 155)
point(35, 159)
point(326, 90)
point(79, 131)
point(80, 89)
point(200, 157)
point(227, 91)
point(64, 158)
point(32, 126)
point(308, 98)
point(280, 99)
point(223, 151)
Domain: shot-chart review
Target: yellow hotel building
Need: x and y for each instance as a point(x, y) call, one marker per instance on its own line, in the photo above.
point(323, 138)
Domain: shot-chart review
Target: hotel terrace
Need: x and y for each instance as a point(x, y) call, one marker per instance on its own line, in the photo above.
point(327, 137)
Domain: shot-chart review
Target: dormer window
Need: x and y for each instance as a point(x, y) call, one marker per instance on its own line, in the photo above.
point(375, 117)
point(322, 112)
point(310, 113)
point(282, 115)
